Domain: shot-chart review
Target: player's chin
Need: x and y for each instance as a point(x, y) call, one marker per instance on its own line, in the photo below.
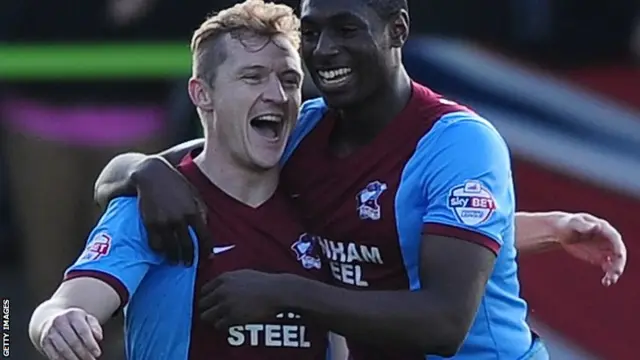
point(265, 158)
point(265, 162)
point(349, 96)
point(266, 150)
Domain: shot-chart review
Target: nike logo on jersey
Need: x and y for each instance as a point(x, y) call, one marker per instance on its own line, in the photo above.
point(220, 249)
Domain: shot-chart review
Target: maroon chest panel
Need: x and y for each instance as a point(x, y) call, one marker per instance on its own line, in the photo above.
point(357, 228)
point(270, 239)
point(350, 202)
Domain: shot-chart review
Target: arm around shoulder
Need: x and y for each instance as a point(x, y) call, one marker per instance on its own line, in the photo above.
point(118, 176)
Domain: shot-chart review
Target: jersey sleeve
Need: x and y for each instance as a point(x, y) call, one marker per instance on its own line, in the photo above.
point(467, 181)
point(117, 251)
point(311, 112)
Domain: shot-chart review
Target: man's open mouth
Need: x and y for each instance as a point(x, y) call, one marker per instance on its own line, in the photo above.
point(269, 126)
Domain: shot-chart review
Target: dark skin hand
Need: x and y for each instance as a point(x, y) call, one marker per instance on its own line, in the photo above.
point(439, 315)
point(167, 221)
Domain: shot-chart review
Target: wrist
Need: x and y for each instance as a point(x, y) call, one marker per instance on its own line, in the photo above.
point(551, 223)
point(537, 232)
point(283, 288)
point(40, 319)
point(305, 296)
point(555, 221)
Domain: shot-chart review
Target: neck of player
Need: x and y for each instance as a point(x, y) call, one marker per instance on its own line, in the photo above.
point(250, 186)
point(359, 124)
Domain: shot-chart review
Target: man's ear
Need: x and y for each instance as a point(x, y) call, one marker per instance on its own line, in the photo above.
point(399, 28)
point(200, 94)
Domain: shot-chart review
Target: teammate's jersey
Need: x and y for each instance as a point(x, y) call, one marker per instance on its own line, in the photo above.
point(437, 168)
point(160, 320)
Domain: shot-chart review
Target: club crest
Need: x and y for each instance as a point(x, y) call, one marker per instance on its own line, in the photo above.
point(367, 200)
point(305, 250)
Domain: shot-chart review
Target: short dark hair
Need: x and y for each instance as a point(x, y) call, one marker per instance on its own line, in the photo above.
point(387, 8)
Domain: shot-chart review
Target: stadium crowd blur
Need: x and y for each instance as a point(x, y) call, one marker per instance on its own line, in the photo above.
point(57, 134)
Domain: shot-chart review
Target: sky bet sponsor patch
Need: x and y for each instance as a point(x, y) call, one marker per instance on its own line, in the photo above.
point(471, 203)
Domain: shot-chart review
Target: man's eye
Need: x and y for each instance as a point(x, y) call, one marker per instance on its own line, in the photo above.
point(348, 30)
point(251, 77)
point(293, 82)
point(308, 33)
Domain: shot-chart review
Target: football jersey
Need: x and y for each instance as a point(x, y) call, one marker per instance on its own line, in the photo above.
point(160, 320)
point(438, 168)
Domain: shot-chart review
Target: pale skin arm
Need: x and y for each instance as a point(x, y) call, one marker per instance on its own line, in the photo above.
point(583, 236)
point(534, 232)
point(68, 324)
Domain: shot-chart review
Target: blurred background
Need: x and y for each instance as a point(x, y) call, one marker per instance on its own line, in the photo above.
point(81, 81)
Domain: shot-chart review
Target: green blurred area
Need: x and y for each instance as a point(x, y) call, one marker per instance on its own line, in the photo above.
point(94, 61)
point(88, 61)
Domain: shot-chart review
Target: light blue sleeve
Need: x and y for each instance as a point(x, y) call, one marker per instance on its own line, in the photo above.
point(117, 251)
point(311, 112)
point(467, 181)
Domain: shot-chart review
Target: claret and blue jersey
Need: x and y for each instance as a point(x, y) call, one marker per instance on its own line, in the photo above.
point(438, 168)
point(160, 322)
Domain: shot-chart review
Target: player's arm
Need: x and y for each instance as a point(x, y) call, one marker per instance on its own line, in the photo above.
point(68, 324)
point(455, 256)
point(168, 203)
point(118, 178)
point(75, 311)
point(100, 282)
point(536, 232)
point(584, 236)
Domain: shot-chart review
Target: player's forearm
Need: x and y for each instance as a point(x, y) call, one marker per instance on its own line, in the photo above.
point(90, 294)
point(535, 232)
point(49, 310)
point(116, 179)
point(413, 321)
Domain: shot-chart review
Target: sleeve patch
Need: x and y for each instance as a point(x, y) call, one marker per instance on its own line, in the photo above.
point(97, 248)
point(471, 203)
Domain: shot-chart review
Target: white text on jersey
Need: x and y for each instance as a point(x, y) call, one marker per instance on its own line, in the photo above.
point(344, 259)
point(270, 335)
